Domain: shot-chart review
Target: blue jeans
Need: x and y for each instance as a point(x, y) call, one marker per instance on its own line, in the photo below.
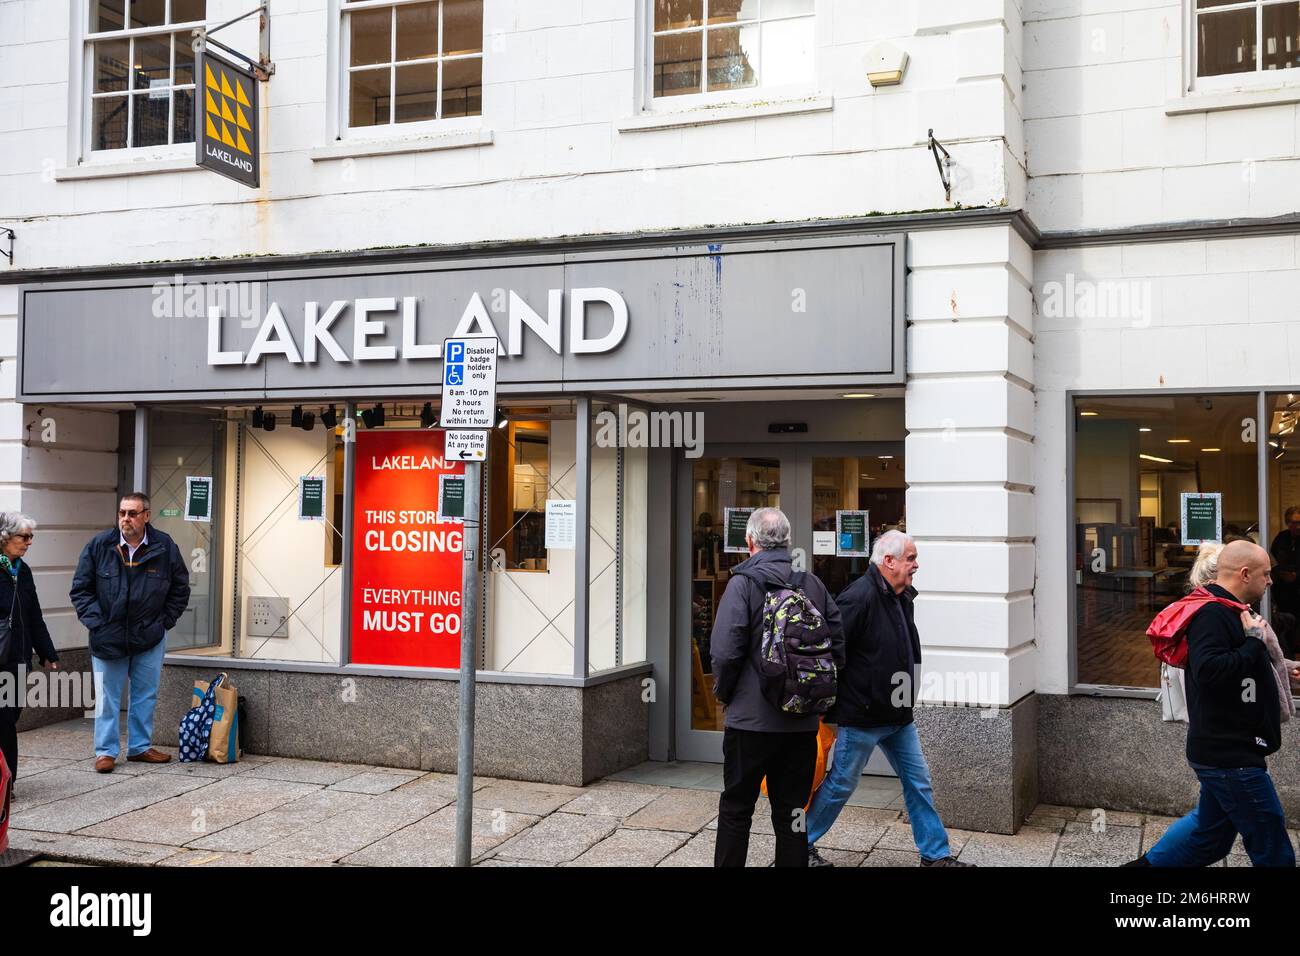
point(902, 747)
point(144, 671)
point(1233, 801)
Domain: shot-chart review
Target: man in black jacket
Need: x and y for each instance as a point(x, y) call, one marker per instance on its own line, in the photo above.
point(760, 740)
point(130, 588)
point(874, 704)
point(1233, 723)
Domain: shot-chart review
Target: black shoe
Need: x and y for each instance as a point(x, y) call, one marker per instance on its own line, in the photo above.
point(816, 859)
point(1140, 861)
point(946, 861)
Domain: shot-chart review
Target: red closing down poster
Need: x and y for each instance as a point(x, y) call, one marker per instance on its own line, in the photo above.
point(406, 564)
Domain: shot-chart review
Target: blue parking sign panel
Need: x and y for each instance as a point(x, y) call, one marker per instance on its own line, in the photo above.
point(469, 382)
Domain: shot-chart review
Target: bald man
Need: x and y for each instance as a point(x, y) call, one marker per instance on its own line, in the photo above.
point(1233, 723)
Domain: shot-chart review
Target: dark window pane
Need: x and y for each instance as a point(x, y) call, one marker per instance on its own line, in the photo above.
point(108, 123)
point(187, 11)
point(107, 15)
point(111, 58)
point(417, 93)
point(372, 35)
point(677, 63)
point(1207, 4)
point(676, 14)
point(462, 87)
point(152, 67)
point(729, 11)
point(369, 99)
point(148, 13)
point(417, 31)
point(1225, 43)
point(183, 116)
point(732, 58)
point(462, 26)
point(149, 121)
point(1281, 36)
point(184, 59)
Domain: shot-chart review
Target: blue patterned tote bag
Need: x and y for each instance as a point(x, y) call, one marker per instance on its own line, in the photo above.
point(196, 725)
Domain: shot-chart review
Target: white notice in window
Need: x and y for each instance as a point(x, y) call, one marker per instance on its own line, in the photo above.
point(561, 523)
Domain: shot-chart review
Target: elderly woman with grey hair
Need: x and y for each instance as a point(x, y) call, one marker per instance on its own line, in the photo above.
point(21, 607)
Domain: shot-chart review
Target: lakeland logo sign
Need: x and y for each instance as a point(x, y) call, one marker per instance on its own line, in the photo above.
point(226, 137)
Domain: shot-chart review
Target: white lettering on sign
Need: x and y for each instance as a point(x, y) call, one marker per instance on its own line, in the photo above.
point(275, 337)
point(464, 445)
point(469, 382)
point(406, 463)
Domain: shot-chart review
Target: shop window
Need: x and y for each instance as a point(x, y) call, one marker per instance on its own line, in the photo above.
point(139, 66)
point(1153, 477)
point(716, 46)
point(410, 62)
point(519, 474)
point(1283, 530)
point(873, 483)
point(1234, 37)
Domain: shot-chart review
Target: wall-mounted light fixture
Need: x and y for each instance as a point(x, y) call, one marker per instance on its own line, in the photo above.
point(886, 65)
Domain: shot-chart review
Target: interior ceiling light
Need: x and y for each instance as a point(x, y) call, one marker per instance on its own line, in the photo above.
point(1179, 441)
point(1211, 449)
point(858, 395)
point(1163, 461)
point(1089, 414)
point(1144, 429)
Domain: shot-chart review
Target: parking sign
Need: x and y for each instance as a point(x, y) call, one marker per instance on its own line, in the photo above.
point(469, 382)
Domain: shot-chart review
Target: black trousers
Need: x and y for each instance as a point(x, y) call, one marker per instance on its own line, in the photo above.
point(9, 715)
point(788, 761)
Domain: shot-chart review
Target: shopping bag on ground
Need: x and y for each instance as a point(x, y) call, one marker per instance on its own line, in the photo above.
point(196, 726)
point(223, 738)
point(825, 752)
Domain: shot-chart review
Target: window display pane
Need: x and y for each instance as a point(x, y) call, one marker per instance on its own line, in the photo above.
point(108, 122)
point(462, 87)
point(183, 116)
point(462, 27)
point(148, 13)
point(519, 476)
point(153, 64)
point(871, 483)
point(289, 595)
point(417, 31)
point(730, 11)
point(636, 529)
point(1138, 461)
point(150, 119)
point(733, 58)
point(1283, 531)
point(1281, 36)
point(602, 644)
point(188, 11)
point(107, 15)
point(184, 59)
point(677, 69)
point(111, 60)
point(371, 36)
point(677, 14)
point(417, 93)
point(720, 484)
point(370, 97)
point(1225, 42)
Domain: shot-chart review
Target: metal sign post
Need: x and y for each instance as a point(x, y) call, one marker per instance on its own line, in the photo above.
point(469, 384)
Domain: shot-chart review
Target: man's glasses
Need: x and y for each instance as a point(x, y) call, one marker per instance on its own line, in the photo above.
point(128, 514)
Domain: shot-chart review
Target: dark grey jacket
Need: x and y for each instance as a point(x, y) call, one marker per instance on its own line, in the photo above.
point(734, 644)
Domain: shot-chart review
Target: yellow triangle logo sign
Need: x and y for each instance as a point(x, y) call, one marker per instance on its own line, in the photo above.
point(225, 135)
point(241, 144)
point(210, 79)
point(212, 104)
point(225, 87)
point(225, 111)
point(242, 121)
point(240, 98)
point(212, 130)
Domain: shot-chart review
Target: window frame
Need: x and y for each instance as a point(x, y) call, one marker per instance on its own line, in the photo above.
point(1256, 79)
point(342, 82)
point(86, 40)
point(1072, 396)
point(712, 98)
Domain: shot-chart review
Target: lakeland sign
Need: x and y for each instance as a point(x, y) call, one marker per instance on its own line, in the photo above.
point(785, 312)
point(225, 137)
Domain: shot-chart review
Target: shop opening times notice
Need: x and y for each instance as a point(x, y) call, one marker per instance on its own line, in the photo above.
point(407, 560)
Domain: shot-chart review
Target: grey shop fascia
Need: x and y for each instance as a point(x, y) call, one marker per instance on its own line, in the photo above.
point(744, 314)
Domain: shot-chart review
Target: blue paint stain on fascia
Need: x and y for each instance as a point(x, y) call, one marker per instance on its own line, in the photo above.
point(715, 250)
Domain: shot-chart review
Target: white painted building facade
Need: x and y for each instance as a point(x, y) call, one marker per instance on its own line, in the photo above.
point(1085, 149)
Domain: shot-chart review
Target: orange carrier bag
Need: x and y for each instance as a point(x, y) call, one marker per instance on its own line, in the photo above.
point(825, 744)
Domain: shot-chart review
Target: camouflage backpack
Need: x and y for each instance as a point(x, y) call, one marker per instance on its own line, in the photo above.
point(796, 673)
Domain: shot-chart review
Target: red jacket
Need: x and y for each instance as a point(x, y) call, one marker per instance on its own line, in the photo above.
point(1168, 632)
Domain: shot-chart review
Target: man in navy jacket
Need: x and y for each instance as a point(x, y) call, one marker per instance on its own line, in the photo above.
point(874, 705)
point(130, 588)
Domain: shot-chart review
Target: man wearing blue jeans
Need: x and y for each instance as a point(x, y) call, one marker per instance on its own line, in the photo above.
point(873, 706)
point(129, 589)
point(1233, 723)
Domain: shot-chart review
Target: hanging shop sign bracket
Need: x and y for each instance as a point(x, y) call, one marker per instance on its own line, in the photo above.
point(6, 231)
point(944, 165)
point(262, 67)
